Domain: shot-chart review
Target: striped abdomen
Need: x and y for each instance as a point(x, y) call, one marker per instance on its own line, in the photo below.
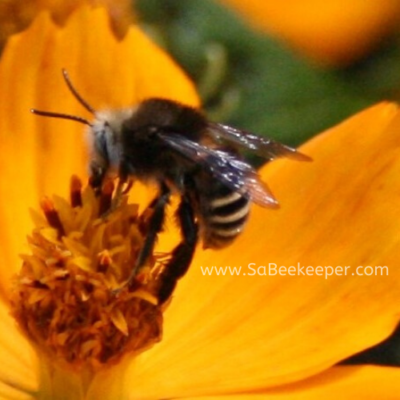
point(224, 219)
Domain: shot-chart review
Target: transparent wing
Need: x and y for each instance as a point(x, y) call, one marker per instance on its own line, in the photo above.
point(261, 146)
point(226, 167)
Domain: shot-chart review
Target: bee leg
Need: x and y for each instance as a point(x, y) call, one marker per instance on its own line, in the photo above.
point(154, 227)
point(182, 255)
point(97, 174)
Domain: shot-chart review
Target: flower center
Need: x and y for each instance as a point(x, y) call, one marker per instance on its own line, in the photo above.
point(70, 298)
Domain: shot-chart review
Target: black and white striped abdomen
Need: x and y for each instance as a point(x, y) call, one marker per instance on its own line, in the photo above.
point(225, 219)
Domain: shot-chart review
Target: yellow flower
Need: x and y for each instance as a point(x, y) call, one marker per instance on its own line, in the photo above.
point(249, 336)
point(16, 15)
point(331, 33)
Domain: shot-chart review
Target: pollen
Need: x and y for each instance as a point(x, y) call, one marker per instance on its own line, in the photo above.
point(71, 297)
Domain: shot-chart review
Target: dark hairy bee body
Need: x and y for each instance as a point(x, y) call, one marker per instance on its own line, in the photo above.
point(176, 147)
point(221, 211)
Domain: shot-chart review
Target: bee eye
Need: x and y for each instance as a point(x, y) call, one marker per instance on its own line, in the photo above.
point(101, 145)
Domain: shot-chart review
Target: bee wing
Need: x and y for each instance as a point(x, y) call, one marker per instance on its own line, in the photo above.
point(261, 146)
point(236, 174)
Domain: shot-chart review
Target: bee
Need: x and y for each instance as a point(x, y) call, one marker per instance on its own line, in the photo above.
point(176, 147)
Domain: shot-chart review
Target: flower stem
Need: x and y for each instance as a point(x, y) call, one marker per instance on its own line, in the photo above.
point(57, 383)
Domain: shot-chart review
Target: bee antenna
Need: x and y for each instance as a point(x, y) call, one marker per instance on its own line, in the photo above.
point(75, 92)
point(62, 116)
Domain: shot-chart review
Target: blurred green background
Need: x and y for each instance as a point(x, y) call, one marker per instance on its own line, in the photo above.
point(255, 82)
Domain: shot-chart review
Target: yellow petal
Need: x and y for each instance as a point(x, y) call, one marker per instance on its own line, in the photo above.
point(16, 15)
point(17, 360)
point(8, 393)
point(346, 383)
point(40, 154)
point(331, 32)
point(242, 332)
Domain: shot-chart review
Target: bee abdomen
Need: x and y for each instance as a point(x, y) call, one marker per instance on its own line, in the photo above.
point(226, 219)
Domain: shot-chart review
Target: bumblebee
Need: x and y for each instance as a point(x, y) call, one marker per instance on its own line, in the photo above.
point(175, 146)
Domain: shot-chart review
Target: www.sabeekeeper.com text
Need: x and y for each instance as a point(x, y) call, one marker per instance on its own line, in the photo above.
point(273, 269)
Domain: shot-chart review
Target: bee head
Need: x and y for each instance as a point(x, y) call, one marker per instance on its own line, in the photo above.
point(104, 133)
point(105, 136)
